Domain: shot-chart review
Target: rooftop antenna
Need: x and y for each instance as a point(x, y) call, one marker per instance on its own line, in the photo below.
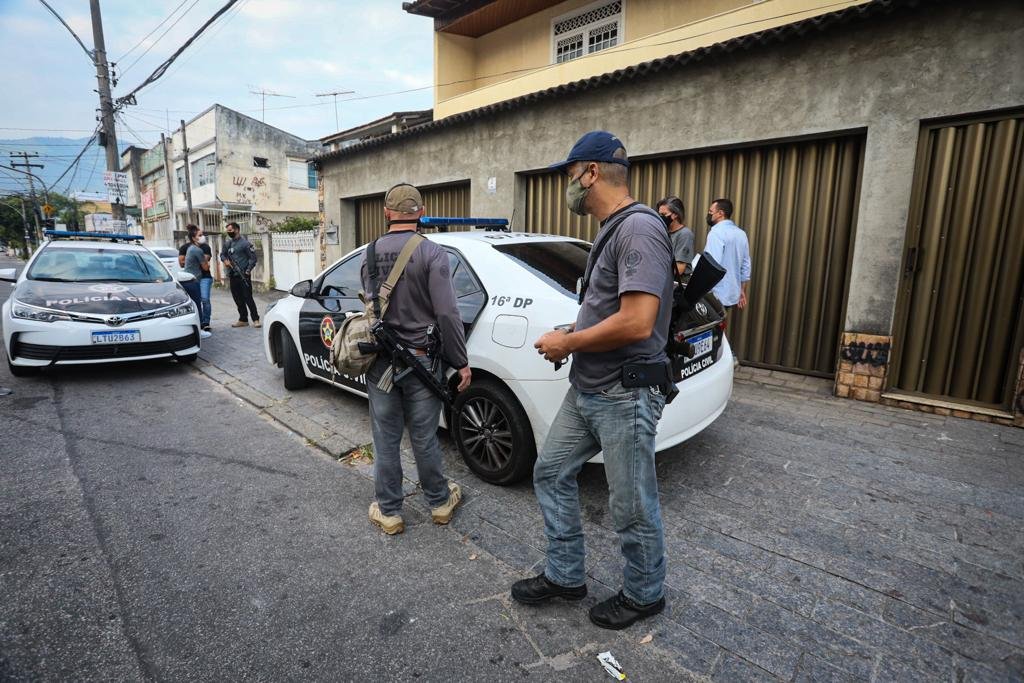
point(264, 93)
point(337, 125)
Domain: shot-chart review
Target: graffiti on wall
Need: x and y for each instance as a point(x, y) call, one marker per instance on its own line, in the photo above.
point(250, 189)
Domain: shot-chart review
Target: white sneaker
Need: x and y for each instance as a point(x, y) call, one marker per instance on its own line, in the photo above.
point(203, 334)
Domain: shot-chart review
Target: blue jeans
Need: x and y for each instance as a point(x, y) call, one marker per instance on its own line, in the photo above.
point(622, 423)
point(205, 285)
point(192, 289)
point(409, 405)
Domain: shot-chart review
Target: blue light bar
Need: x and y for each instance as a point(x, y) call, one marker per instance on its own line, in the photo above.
point(64, 234)
point(436, 221)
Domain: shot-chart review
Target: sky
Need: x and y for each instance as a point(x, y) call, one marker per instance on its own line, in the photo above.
point(285, 46)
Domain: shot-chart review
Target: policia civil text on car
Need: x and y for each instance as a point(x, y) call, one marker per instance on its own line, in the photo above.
point(618, 384)
point(421, 305)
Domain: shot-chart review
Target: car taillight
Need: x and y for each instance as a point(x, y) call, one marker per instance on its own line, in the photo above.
point(722, 325)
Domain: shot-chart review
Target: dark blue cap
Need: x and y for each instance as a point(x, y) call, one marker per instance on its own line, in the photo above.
point(597, 145)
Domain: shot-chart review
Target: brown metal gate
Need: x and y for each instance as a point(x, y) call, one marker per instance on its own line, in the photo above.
point(450, 200)
point(959, 316)
point(796, 200)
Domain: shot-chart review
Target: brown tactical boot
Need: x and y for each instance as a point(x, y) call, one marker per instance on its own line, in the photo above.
point(389, 524)
point(443, 514)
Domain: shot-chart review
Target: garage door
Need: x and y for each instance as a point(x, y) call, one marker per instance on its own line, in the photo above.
point(959, 320)
point(451, 200)
point(797, 202)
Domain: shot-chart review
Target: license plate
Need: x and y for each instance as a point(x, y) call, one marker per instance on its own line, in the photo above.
point(116, 336)
point(703, 344)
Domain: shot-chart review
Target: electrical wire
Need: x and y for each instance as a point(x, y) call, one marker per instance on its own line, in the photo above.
point(155, 29)
point(162, 68)
point(78, 159)
point(88, 52)
point(159, 38)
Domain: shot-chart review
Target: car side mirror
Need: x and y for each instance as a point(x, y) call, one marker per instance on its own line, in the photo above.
point(9, 274)
point(303, 289)
point(184, 276)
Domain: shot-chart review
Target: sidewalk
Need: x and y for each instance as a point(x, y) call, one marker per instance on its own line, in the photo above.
point(809, 537)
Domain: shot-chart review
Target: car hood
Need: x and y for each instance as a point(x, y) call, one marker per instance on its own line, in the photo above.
point(105, 298)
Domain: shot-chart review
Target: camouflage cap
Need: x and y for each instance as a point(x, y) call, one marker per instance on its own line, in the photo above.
point(404, 198)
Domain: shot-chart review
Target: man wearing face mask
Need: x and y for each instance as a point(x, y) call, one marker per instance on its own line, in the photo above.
point(672, 212)
point(727, 244)
point(618, 383)
point(239, 257)
point(206, 280)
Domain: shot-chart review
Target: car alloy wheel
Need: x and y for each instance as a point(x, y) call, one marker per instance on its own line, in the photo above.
point(485, 431)
point(493, 433)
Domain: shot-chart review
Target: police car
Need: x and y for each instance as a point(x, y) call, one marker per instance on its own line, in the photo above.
point(511, 288)
point(92, 298)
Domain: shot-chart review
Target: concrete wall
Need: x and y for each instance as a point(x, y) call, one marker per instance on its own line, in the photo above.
point(884, 76)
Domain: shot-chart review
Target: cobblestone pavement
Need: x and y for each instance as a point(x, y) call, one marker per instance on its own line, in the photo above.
point(809, 537)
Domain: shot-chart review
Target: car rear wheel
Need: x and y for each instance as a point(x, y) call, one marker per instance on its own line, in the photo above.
point(493, 433)
point(294, 377)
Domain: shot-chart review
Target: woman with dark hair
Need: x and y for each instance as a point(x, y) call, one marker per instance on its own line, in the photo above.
point(197, 264)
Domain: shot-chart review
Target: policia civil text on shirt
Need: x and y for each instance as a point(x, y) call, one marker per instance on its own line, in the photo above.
point(619, 380)
point(421, 304)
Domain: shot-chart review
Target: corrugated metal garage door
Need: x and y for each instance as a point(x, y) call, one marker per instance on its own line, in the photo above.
point(797, 202)
point(959, 317)
point(450, 200)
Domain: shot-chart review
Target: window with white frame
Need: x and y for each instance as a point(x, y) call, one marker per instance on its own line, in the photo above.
point(203, 170)
point(301, 174)
point(180, 175)
point(592, 29)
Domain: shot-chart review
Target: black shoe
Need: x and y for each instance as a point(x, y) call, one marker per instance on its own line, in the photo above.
point(619, 612)
point(206, 328)
point(539, 589)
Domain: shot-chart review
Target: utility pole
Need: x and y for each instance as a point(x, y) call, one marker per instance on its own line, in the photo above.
point(188, 180)
point(170, 188)
point(337, 124)
point(109, 137)
point(25, 221)
point(31, 187)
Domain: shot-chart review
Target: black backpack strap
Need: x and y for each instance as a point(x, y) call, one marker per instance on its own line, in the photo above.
point(371, 270)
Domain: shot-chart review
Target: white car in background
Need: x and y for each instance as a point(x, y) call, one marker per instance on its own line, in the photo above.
point(511, 288)
point(168, 256)
point(95, 298)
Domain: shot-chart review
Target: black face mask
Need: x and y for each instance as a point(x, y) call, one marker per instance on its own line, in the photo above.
point(709, 219)
point(668, 221)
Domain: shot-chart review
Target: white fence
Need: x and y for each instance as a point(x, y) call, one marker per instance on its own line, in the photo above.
point(294, 255)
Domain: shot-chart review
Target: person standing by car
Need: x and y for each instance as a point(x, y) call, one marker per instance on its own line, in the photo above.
point(727, 243)
point(423, 298)
point(196, 263)
point(618, 383)
point(206, 281)
point(239, 257)
point(673, 213)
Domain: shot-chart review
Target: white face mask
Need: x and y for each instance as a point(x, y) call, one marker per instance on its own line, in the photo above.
point(202, 239)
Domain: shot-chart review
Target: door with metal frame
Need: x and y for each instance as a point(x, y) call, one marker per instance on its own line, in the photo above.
point(959, 322)
point(797, 202)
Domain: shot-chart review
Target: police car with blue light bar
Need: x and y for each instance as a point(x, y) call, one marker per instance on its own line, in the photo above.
point(87, 297)
point(511, 288)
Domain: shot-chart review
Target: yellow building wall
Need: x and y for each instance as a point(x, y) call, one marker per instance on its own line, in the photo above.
point(516, 59)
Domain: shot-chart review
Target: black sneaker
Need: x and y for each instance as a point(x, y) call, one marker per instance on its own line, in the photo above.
point(540, 589)
point(619, 612)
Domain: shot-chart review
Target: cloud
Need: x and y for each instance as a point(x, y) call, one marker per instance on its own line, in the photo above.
point(411, 80)
point(266, 10)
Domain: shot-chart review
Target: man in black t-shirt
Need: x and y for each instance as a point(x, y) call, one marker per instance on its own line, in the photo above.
point(205, 282)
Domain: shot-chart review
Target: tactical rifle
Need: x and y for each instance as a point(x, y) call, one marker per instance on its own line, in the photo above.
point(404, 361)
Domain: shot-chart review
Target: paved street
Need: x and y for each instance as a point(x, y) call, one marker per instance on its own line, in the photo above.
point(165, 522)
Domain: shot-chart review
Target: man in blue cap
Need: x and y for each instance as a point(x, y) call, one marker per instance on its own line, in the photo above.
point(619, 379)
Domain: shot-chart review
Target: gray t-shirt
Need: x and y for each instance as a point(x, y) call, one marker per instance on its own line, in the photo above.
point(194, 259)
point(682, 247)
point(637, 258)
point(422, 297)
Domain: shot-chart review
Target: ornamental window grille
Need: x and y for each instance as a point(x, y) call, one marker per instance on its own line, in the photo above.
point(587, 32)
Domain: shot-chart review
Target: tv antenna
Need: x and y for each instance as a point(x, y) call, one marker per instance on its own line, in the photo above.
point(337, 125)
point(264, 94)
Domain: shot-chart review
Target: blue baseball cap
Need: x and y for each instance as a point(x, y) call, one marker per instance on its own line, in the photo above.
point(597, 145)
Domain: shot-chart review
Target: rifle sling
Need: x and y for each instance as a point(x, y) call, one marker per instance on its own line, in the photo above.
point(384, 291)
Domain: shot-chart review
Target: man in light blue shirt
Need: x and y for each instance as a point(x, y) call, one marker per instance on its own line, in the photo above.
point(727, 244)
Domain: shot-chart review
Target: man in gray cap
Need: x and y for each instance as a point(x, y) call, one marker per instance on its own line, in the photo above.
point(618, 383)
point(423, 298)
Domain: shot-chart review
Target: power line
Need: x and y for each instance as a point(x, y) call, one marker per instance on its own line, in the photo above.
point(88, 52)
point(160, 37)
point(162, 68)
point(155, 29)
point(77, 160)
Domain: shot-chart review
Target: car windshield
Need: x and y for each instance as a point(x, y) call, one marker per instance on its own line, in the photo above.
point(560, 264)
point(166, 253)
point(78, 264)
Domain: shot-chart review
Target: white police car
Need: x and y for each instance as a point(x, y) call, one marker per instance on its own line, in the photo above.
point(511, 288)
point(95, 298)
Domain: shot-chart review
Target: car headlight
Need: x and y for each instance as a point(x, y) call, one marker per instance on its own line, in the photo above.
point(180, 310)
point(42, 315)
